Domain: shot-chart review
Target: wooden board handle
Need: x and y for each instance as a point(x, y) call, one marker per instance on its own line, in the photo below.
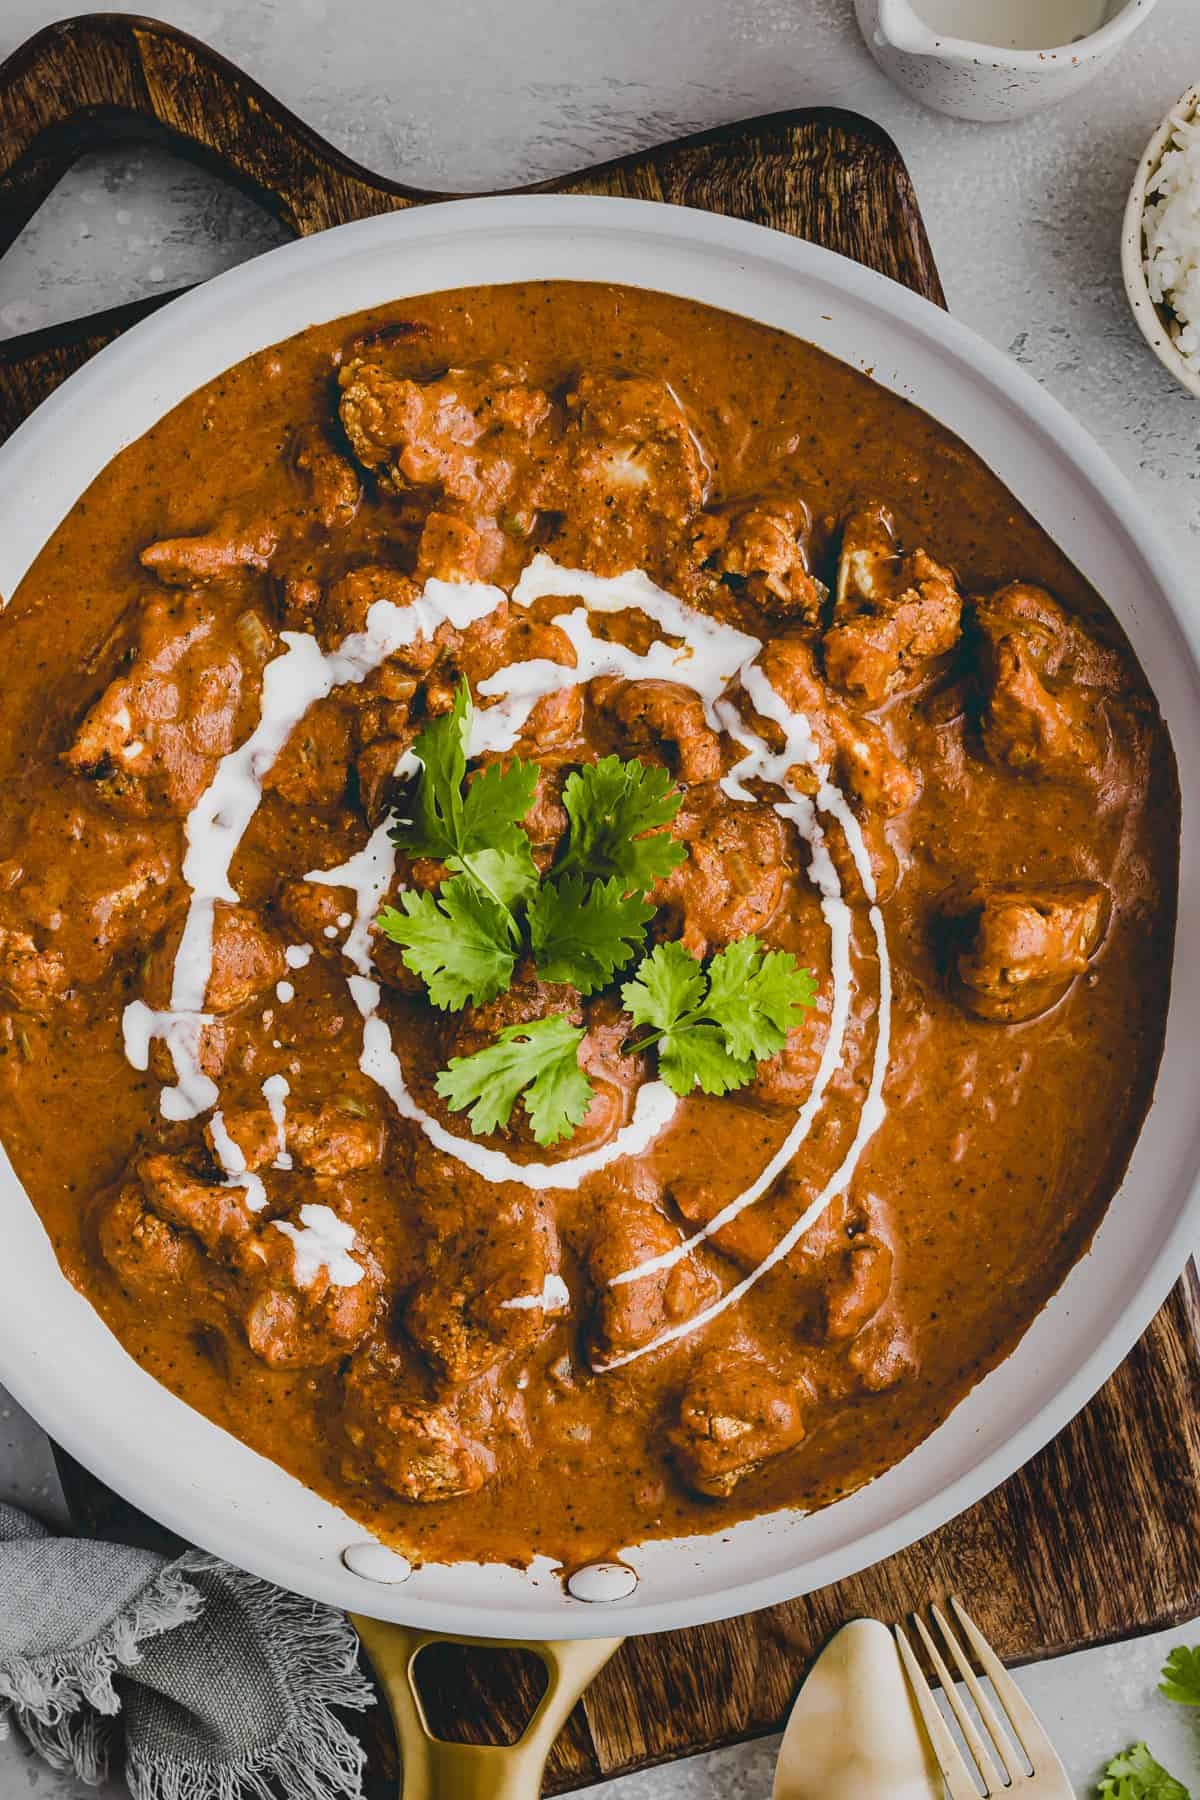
point(104, 78)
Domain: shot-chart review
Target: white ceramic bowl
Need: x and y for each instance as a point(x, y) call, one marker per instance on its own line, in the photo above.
point(57, 1356)
point(1152, 319)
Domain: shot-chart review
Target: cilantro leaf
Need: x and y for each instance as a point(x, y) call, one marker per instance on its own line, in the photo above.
point(1181, 1676)
point(584, 936)
point(758, 997)
point(1136, 1776)
point(496, 801)
point(506, 873)
point(456, 941)
point(537, 1062)
point(698, 1056)
point(476, 833)
point(494, 850)
point(668, 993)
point(558, 1099)
point(669, 984)
point(435, 828)
point(713, 1029)
point(612, 805)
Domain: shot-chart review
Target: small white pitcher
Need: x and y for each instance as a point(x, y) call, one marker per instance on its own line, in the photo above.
point(987, 81)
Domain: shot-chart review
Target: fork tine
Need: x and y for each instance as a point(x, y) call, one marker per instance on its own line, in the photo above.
point(975, 1744)
point(983, 1706)
point(955, 1773)
point(1027, 1727)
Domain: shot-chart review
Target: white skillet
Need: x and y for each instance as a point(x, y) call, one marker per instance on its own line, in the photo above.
point(59, 1359)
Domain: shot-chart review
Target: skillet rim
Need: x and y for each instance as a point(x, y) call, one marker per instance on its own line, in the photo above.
point(716, 239)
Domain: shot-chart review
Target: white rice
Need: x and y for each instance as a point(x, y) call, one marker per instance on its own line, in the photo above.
point(1172, 229)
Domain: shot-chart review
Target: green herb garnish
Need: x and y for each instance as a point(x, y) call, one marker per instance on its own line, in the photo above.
point(584, 935)
point(712, 1028)
point(1181, 1676)
point(475, 829)
point(1136, 1776)
point(580, 923)
point(611, 806)
point(457, 941)
point(536, 1063)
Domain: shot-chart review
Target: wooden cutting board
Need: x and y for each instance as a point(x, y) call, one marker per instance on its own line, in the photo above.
point(1097, 1538)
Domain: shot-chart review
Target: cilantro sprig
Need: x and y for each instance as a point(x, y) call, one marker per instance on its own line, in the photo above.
point(713, 1027)
point(581, 923)
point(1135, 1775)
point(536, 1063)
point(583, 934)
point(457, 941)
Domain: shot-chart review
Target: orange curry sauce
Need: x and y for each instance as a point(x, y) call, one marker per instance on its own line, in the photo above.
point(969, 693)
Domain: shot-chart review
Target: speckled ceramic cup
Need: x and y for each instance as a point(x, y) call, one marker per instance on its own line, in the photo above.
point(983, 81)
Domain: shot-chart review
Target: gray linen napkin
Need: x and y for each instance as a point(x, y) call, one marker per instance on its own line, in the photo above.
point(225, 1684)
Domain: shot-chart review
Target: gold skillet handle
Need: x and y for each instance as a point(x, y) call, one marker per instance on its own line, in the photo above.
point(436, 1770)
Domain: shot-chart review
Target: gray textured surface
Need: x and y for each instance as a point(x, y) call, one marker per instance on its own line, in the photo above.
point(1024, 220)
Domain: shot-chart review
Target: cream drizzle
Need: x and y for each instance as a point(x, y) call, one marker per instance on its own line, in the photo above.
point(232, 1159)
point(369, 873)
point(709, 657)
point(322, 1241)
point(706, 661)
point(275, 1090)
point(182, 1033)
point(555, 1296)
point(870, 1119)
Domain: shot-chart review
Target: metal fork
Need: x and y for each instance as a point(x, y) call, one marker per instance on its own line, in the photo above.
point(1031, 1767)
